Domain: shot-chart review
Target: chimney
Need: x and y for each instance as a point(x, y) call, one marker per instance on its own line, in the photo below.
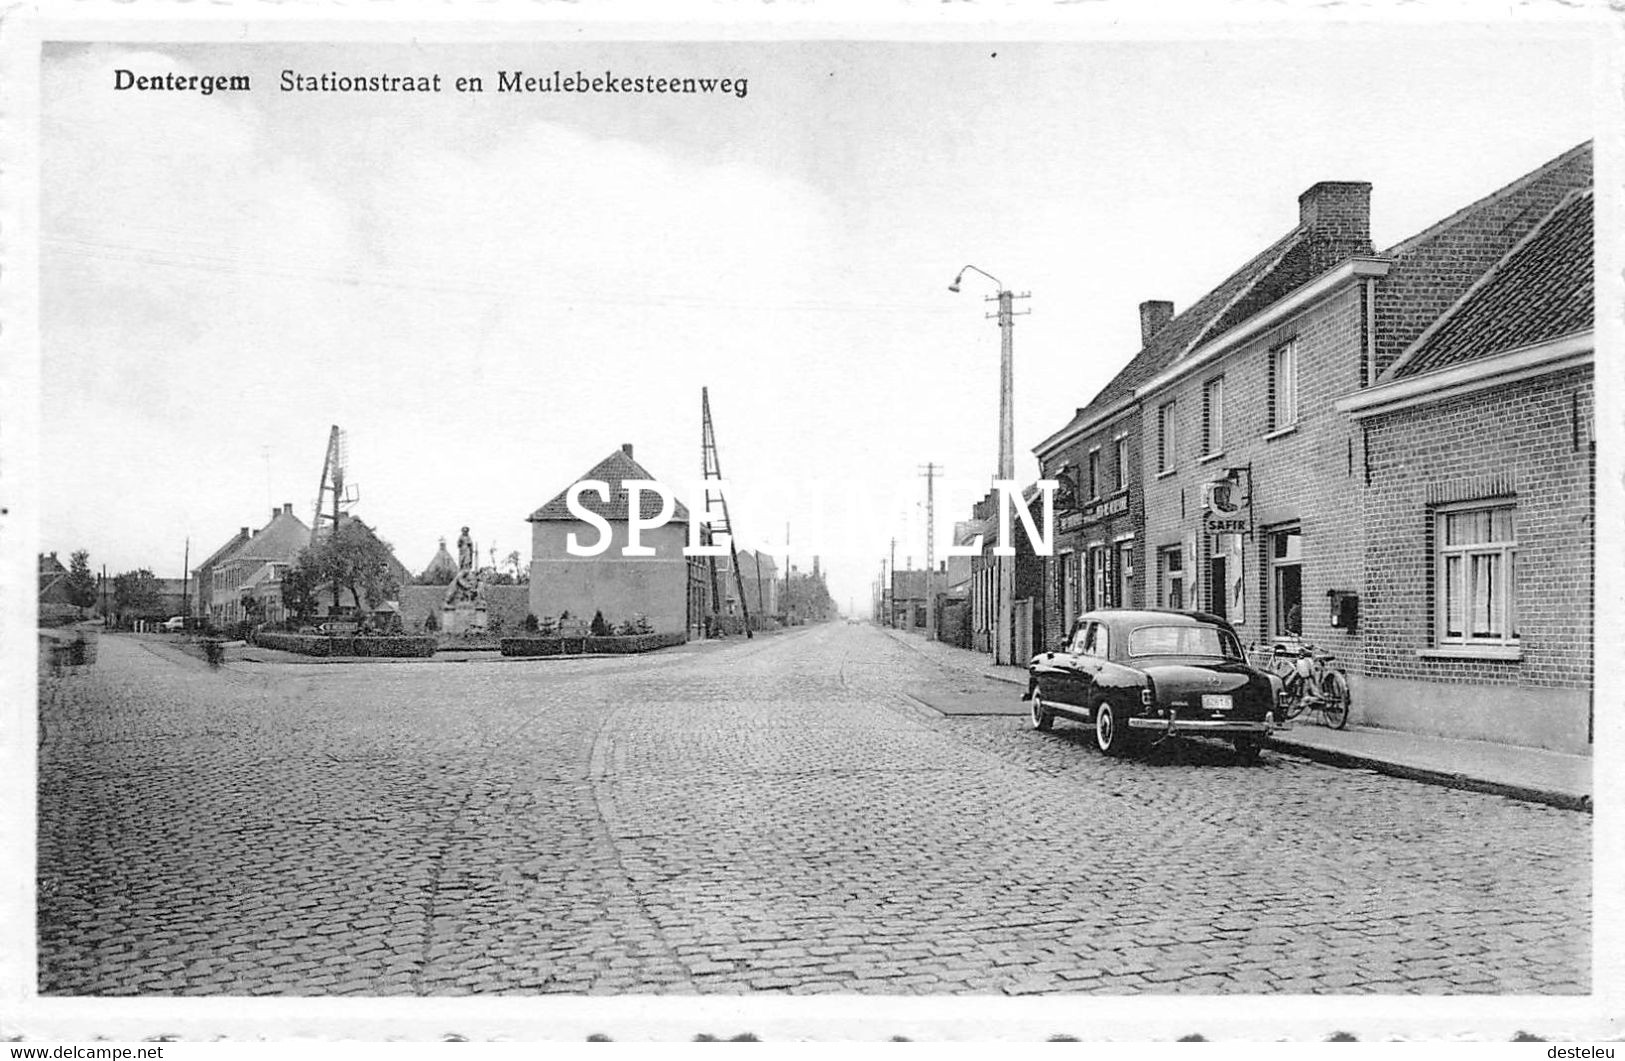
point(1337, 210)
point(626, 448)
point(287, 508)
point(1154, 315)
point(243, 532)
point(275, 512)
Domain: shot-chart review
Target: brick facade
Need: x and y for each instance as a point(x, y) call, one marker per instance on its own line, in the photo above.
point(1304, 476)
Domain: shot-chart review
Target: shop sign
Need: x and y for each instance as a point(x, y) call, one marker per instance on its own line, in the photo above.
point(1228, 503)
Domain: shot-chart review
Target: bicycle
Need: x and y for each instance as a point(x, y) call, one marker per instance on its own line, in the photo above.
point(1311, 683)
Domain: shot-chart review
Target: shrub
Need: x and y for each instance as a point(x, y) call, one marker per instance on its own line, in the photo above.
point(600, 628)
point(431, 622)
point(493, 625)
point(531, 625)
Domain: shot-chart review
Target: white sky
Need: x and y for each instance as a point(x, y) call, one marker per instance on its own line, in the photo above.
point(490, 293)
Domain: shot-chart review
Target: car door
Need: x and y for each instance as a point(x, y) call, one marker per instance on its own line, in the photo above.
point(1059, 676)
point(1091, 657)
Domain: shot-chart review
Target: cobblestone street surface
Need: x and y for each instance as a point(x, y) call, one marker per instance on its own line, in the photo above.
point(767, 815)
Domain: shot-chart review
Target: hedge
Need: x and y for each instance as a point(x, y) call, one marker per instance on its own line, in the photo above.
point(620, 644)
point(322, 645)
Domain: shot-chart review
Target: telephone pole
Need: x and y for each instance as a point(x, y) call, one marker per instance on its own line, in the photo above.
point(930, 473)
point(891, 613)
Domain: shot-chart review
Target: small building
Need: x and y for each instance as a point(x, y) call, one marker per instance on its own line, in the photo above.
point(661, 587)
point(1480, 508)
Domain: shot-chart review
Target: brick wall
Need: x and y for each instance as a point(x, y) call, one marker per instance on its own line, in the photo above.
point(1309, 476)
point(1534, 436)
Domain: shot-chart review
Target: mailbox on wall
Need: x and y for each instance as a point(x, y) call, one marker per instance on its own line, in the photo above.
point(1345, 609)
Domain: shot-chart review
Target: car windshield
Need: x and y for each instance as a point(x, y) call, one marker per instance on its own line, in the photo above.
point(1183, 641)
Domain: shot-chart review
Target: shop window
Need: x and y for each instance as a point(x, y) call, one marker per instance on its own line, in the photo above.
point(1125, 574)
point(1171, 583)
point(1286, 582)
point(1283, 387)
point(1097, 578)
point(1476, 552)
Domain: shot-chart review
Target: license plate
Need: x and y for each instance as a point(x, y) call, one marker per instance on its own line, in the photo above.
point(1215, 701)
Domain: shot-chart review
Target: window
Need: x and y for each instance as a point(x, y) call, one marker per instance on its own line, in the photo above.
point(1166, 442)
point(1097, 580)
point(1283, 386)
point(1171, 588)
point(1213, 417)
point(1211, 641)
point(1122, 462)
point(1477, 551)
point(1094, 474)
point(1082, 638)
point(1125, 574)
point(1286, 582)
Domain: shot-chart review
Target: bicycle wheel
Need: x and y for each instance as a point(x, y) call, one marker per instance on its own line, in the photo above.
point(1292, 699)
point(1335, 702)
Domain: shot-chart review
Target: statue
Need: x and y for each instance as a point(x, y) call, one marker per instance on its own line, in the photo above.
point(465, 588)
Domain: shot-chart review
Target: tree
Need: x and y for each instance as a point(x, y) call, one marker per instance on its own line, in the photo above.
point(136, 594)
point(81, 583)
point(521, 577)
point(354, 558)
point(299, 585)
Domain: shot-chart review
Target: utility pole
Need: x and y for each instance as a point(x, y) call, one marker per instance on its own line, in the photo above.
point(787, 615)
point(1004, 567)
point(106, 617)
point(930, 473)
point(186, 574)
point(891, 613)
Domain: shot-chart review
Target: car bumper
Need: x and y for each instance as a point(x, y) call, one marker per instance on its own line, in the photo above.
point(1174, 726)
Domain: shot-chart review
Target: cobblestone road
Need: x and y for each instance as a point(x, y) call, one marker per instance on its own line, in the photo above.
point(758, 816)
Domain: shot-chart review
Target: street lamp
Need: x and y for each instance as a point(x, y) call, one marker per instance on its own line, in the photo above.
point(1005, 298)
point(1003, 649)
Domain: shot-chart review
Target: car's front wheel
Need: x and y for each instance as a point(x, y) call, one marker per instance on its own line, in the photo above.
point(1042, 717)
point(1111, 730)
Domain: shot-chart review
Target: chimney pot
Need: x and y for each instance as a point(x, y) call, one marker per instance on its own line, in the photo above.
point(1337, 210)
point(1154, 316)
point(626, 448)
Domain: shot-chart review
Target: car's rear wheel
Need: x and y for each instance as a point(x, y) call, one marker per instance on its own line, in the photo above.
point(1247, 749)
point(1042, 717)
point(1111, 730)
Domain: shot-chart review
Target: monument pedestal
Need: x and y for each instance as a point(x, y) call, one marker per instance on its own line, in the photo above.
point(464, 617)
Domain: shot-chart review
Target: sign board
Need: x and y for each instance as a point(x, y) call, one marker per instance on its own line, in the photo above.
point(1227, 504)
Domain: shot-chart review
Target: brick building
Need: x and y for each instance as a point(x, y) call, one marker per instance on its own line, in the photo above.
point(1480, 505)
point(1257, 483)
point(667, 588)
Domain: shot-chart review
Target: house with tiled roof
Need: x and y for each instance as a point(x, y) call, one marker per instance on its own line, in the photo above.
point(1480, 503)
point(252, 568)
point(1111, 454)
point(1251, 461)
point(203, 575)
point(664, 586)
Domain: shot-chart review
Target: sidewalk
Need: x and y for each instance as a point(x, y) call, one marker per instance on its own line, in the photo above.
point(1509, 770)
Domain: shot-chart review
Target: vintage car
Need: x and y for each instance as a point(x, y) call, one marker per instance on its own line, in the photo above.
point(1141, 676)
